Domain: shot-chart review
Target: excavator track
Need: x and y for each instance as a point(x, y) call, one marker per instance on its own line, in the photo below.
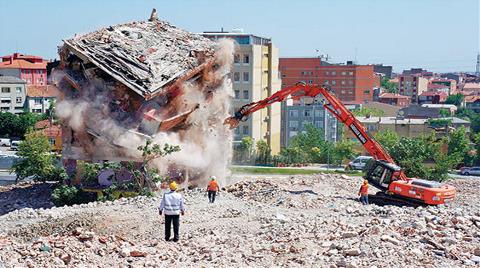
point(382, 199)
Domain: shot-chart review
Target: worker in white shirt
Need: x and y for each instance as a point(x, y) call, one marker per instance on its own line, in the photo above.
point(172, 205)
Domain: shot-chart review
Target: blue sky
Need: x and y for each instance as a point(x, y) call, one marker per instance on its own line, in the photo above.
point(440, 35)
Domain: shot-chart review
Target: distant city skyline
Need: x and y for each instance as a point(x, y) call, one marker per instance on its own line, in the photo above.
point(437, 35)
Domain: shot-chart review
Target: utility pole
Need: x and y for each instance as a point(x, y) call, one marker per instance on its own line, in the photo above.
point(477, 70)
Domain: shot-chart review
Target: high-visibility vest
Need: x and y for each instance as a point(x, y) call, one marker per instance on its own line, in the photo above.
point(364, 189)
point(212, 186)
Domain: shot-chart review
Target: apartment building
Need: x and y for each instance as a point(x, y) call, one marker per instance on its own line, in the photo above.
point(40, 98)
point(412, 86)
point(32, 69)
point(308, 111)
point(12, 94)
point(394, 99)
point(349, 81)
point(255, 76)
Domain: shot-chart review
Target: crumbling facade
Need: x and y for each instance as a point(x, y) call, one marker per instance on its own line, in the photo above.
point(146, 80)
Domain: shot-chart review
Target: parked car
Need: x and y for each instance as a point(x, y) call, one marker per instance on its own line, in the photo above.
point(470, 171)
point(359, 162)
point(14, 145)
point(4, 142)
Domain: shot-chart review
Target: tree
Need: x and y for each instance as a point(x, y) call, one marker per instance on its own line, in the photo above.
point(476, 140)
point(292, 155)
point(389, 87)
point(471, 116)
point(150, 151)
point(312, 137)
point(456, 99)
point(366, 111)
point(459, 146)
point(36, 158)
point(16, 126)
point(344, 151)
point(445, 112)
point(387, 139)
point(263, 152)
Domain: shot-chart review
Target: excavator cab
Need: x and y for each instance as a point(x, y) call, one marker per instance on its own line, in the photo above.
point(381, 173)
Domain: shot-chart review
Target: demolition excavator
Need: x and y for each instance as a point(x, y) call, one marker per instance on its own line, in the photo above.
point(382, 172)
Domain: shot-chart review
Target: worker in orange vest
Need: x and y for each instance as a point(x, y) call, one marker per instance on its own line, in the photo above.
point(363, 193)
point(212, 189)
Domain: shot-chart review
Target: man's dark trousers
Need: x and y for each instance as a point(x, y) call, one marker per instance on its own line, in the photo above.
point(211, 196)
point(176, 226)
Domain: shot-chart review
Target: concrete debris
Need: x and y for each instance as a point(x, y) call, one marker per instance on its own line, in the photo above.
point(243, 230)
point(131, 82)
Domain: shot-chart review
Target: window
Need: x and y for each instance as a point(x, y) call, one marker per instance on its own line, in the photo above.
point(318, 113)
point(38, 101)
point(6, 101)
point(5, 90)
point(246, 95)
point(245, 130)
point(293, 124)
point(327, 73)
point(343, 82)
point(4, 109)
point(236, 58)
point(237, 130)
point(293, 113)
point(334, 82)
point(51, 141)
point(366, 92)
point(319, 124)
point(350, 82)
point(326, 82)
point(292, 133)
point(344, 73)
point(334, 73)
point(19, 99)
point(246, 59)
point(19, 90)
point(307, 113)
point(237, 94)
point(236, 77)
point(246, 77)
point(350, 73)
point(310, 81)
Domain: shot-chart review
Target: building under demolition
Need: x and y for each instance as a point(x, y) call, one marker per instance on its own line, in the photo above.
point(128, 83)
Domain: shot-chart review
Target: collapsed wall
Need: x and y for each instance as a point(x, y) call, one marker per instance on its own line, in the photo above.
point(146, 80)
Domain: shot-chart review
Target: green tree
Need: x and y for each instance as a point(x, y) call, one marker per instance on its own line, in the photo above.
point(389, 87)
point(344, 151)
point(367, 111)
point(476, 140)
point(471, 116)
point(150, 151)
point(459, 146)
point(311, 138)
point(444, 112)
point(293, 155)
point(388, 139)
point(264, 155)
point(456, 99)
point(36, 158)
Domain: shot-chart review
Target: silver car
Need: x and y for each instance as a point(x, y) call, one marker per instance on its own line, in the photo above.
point(470, 171)
point(359, 163)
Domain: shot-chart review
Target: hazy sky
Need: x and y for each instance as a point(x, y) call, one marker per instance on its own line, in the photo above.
point(439, 35)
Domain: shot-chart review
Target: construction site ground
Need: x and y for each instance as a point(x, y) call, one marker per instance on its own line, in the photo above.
point(257, 221)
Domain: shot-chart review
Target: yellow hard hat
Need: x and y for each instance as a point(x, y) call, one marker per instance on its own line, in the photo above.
point(173, 186)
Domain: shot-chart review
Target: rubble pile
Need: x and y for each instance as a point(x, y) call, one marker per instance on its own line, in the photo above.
point(143, 80)
point(242, 230)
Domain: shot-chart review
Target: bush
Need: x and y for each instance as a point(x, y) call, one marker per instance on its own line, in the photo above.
point(58, 174)
point(70, 195)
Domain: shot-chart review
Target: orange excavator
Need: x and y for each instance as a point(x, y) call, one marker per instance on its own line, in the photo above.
point(396, 188)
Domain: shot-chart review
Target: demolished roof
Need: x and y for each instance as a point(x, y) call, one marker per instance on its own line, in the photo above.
point(144, 56)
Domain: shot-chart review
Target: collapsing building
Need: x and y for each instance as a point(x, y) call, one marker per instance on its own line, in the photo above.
point(146, 80)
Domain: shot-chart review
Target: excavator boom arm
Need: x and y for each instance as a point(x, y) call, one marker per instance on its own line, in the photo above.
point(332, 104)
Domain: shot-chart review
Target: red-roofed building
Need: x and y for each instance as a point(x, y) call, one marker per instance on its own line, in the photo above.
point(394, 99)
point(32, 69)
point(52, 132)
point(432, 97)
point(451, 84)
point(439, 87)
point(39, 98)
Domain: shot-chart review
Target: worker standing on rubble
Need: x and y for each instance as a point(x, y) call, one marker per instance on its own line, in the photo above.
point(172, 205)
point(363, 192)
point(212, 189)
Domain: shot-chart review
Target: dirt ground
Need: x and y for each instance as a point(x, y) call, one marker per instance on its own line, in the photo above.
point(267, 221)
